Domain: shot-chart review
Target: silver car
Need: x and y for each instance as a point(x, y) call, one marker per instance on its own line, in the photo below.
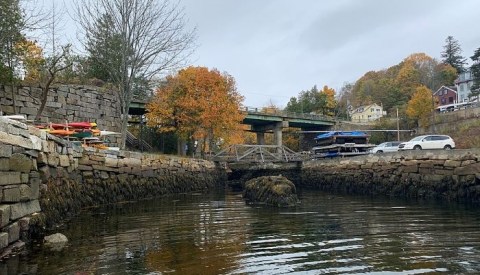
point(391, 146)
point(428, 142)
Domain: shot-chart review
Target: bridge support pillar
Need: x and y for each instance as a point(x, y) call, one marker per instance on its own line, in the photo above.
point(277, 134)
point(260, 138)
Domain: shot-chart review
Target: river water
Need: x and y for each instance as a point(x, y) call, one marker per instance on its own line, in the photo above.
point(220, 234)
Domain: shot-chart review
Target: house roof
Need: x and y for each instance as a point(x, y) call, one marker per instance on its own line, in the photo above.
point(453, 89)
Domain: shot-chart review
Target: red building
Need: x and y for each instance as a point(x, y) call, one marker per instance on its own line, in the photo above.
point(446, 95)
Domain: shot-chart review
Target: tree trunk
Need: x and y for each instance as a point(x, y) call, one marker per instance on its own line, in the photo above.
point(44, 98)
point(14, 100)
point(42, 104)
point(181, 147)
point(124, 126)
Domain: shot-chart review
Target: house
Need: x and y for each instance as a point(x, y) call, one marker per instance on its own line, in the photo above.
point(464, 84)
point(367, 113)
point(446, 95)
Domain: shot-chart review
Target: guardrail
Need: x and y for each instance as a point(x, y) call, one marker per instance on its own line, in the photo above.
point(276, 112)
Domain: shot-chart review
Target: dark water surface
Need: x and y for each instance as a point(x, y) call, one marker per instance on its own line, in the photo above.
point(219, 234)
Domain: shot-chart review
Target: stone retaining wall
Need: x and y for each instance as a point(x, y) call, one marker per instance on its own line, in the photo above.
point(45, 180)
point(446, 175)
point(65, 102)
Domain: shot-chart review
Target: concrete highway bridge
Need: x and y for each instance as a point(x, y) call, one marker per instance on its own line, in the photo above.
point(266, 120)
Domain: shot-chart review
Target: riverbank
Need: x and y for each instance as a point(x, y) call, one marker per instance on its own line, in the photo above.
point(45, 180)
point(444, 175)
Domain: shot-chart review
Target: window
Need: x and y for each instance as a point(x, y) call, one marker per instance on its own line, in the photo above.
point(372, 110)
point(378, 110)
point(450, 99)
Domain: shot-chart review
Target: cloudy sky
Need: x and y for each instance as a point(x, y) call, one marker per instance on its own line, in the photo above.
point(277, 48)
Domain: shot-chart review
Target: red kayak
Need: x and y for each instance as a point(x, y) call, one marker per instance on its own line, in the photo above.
point(82, 125)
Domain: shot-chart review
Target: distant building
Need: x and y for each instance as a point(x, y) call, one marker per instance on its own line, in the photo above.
point(446, 95)
point(464, 84)
point(367, 113)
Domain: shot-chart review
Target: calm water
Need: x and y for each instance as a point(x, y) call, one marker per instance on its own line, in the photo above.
point(219, 234)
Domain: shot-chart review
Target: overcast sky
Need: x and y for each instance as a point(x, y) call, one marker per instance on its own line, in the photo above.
point(277, 48)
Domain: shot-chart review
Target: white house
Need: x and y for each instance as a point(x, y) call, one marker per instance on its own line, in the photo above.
point(463, 83)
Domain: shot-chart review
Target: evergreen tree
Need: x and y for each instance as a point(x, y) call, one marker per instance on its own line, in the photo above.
point(452, 54)
point(11, 26)
point(308, 101)
point(475, 70)
point(103, 47)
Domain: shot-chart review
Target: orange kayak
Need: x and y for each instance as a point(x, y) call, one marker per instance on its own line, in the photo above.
point(61, 132)
point(57, 126)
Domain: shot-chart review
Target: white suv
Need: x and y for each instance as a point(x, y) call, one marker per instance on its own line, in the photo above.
point(428, 142)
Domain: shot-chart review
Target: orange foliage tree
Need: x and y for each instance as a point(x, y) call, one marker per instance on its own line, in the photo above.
point(199, 105)
point(32, 58)
point(330, 102)
point(421, 105)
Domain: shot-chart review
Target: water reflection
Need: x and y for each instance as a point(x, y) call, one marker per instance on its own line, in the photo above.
point(219, 234)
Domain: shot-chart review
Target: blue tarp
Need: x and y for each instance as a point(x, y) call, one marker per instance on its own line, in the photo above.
point(335, 133)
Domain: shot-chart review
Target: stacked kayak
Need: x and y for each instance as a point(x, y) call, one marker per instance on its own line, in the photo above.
point(86, 133)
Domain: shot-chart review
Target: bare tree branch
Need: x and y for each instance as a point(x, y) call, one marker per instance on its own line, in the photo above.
point(153, 38)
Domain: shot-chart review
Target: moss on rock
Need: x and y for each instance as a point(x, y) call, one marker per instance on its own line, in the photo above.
point(271, 190)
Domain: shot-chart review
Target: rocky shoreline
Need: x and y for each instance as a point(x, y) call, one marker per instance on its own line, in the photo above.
point(45, 180)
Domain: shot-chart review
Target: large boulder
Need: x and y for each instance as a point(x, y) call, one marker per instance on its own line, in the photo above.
point(56, 242)
point(271, 190)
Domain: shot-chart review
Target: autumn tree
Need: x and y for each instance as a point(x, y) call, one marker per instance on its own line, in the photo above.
point(421, 105)
point(452, 54)
point(330, 102)
point(395, 86)
point(197, 104)
point(146, 38)
point(31, 56)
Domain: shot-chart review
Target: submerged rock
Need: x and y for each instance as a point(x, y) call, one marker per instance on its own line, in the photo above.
point(271, 190)
point(56, 242)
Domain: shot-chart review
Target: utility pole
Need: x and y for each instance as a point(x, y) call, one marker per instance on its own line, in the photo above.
point(398, 127)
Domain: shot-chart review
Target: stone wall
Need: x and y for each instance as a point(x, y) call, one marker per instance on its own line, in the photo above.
point(45, 180)
point(445, 175)
point(64, 103)
point(432, 174)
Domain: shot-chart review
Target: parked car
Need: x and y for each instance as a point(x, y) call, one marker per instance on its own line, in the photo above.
point(428, 142)
point(391, 146)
